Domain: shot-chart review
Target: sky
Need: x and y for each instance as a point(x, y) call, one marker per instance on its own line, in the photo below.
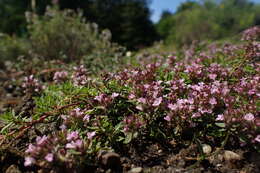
point(157, 7)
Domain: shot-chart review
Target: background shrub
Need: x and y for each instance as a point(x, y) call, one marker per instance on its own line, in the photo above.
point(12, 47)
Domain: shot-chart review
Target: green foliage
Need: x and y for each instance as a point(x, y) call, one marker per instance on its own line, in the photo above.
point(65, 35)
point(128, 20)
point(62, 35)
point(12, 47)
point(12, 16)
point(207, 20)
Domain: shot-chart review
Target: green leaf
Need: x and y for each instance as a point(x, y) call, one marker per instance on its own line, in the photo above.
point(222, 125)
point(128, 138)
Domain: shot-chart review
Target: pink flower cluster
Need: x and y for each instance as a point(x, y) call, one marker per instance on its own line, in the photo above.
point(56, 149)
point(30, 84)
point(198, 88)
point(60, 76)
point(75, 115)
point(132, 123)
point(148, 95)
point(74, 141)
point(79, 77)
point(251, 33)
point(42, 147)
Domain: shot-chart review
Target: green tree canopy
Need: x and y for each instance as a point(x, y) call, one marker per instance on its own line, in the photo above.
point(208, 19)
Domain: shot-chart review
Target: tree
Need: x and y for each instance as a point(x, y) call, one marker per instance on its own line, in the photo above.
point(208, 20)
point(12, 16)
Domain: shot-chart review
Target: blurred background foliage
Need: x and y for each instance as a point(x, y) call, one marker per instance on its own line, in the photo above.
point(128, 20)
point(92, 30)
point(207, 20)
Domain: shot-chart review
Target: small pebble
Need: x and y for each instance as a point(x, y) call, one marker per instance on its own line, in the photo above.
point(136, 170)
point(230, 155)
point(109, 159)
point(206, 148)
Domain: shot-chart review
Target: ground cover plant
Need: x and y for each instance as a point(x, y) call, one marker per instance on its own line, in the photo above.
point(193, 110)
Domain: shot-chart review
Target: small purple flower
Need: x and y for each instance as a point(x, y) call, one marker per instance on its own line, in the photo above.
point(249, 117)
point(157, 102)
point(41, 140)
point(91, 135)
point(220, 117)
point(251, 92)
point(114, 95)
point(60, 76)
point(257, 139)
point(99, 97)
point(126, 129)
point(31, 149)
point(29, 161)
point(167, 118)
point(70, 145)
point(196, 115)
point(141, 100)
point(212, 76)
point(213, 101)
point(79, 143)
point(72, 135)
point(49, 157)
point(79, 77)
point(131, 96)
point(173, 107)
point(225, 91)
point(63, 127)
point(74, 145)
point(86, 118)
point(76, 112)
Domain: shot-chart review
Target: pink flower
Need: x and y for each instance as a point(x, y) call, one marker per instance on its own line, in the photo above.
point(213, 101)
point(99, 97)
point(31, 148)
point(190, 101)
point(146, 86)
point(114, 95)
point(214, 90)
point(71, 145)
point(212, 76)
point(167, 118)
point(91, 135)
point(86, 118)
point(49, 157)
point(60, 76)
point(173, 107)
point(29, 161)
point(249, 117)
point(251, 92)
point(196, 115)
point(141, 100)
point(63, 127)
point(74, 145)
point(157, 102)
point(72, 136)
point(126, 129)
point(220, 117)
point(257, 139)
point(41, 140)
point(225, 91)
point(131, 96)
point(76, 112)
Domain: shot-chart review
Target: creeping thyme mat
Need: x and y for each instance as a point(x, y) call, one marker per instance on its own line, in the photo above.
point(190, 111)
